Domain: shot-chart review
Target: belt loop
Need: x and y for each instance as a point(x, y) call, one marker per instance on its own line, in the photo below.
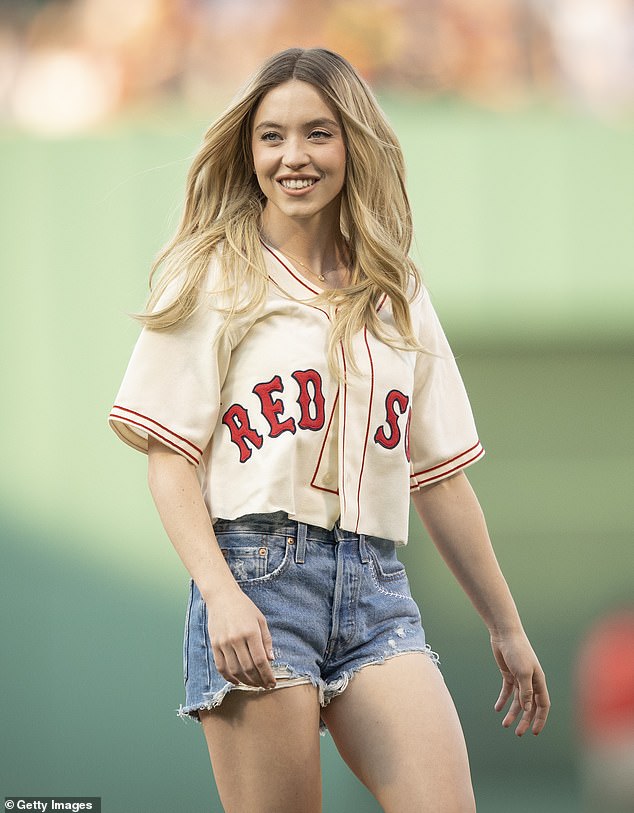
point(363, 551)
point(300, 549)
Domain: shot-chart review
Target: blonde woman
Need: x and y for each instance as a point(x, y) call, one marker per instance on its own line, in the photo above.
point(292, 388)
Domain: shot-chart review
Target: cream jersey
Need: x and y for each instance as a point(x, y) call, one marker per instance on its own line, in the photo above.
point(269, 428)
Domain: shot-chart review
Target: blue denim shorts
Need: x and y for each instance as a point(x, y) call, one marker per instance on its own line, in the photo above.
point(334, 601)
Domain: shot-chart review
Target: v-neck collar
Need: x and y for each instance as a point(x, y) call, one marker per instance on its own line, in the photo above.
point(286, 275)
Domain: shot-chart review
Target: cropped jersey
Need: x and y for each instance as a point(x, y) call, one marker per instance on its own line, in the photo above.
point(269, 428)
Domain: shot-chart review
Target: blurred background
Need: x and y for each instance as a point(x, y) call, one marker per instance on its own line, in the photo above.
point(516, 118)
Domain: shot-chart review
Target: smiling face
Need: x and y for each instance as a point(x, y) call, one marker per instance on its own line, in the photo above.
point(299, 153)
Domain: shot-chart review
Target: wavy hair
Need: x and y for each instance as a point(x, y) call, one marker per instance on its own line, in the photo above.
point(224, 204)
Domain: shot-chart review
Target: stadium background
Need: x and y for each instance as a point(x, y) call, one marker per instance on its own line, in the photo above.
point(516, 121)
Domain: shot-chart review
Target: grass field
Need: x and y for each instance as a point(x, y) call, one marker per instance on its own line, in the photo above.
point(524, 240)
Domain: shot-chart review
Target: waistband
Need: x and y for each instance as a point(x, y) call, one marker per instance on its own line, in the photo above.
point(279, 522)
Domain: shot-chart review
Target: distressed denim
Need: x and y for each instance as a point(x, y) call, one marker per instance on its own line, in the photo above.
point(334, 601)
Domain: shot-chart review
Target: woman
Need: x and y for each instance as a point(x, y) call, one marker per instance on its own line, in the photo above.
point(292, 386)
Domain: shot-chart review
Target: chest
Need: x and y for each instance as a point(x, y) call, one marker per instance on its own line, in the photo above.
point(279, 381)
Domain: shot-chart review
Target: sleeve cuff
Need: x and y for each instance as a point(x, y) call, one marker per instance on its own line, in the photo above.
point(134, 427)
point(434, 473)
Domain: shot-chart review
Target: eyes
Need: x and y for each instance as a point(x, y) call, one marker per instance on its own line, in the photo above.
point(315, 135)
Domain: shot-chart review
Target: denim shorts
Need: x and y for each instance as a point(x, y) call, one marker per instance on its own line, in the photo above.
point(334, 601)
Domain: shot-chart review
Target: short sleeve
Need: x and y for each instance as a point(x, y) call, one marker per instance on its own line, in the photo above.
point(442, 436)
point(171, 387)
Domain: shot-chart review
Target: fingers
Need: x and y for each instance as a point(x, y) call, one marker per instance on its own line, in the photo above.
point(536, 705)
point(237, 663)
point(263, 674)
point(526, 719)
point(512, 713)
point(541, 712)
point(522, 680)
point(245, 657)
point(542, 703)
point(505, 692)
point(267, 641)
point(531, 702)
point(253, 668)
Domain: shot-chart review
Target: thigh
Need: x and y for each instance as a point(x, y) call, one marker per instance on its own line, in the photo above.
point(397, 728)
point(264, 750)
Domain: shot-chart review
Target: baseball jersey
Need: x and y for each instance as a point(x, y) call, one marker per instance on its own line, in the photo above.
point(269, 428)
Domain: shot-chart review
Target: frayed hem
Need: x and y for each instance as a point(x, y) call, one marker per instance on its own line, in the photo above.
point(212, 701)
point(284, 672)
point(336, 687)
point(293, 677)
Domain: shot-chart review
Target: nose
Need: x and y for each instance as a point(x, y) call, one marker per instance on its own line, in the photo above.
point(295, 155)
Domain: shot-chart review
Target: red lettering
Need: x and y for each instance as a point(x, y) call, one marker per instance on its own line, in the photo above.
point(236, 418)
point(308, 421)
point(393, 399)
point(271, 407)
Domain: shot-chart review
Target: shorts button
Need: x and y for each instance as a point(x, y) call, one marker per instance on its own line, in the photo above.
point(224, 551)
point(290, 540)
point(262, 551)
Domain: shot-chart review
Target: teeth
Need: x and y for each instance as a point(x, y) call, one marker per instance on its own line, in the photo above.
point(293, 184)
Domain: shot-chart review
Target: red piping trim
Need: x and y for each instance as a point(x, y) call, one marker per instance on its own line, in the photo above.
point(279, 287)
point(158, 435)
point(323, 446)
point(367, 429)
point(166, 428)
point(304, 283)
point(451, 460)
point(322, 488)
point(281, 262)
point(450, 471)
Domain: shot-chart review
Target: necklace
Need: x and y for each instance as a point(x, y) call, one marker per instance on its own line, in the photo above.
point(303, 265)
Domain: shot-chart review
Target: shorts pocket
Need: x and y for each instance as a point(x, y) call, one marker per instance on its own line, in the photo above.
point(386, 563)
point(387, 571)
point(254, 557)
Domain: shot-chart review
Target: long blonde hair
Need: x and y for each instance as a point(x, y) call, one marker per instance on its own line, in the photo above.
point(224, 204)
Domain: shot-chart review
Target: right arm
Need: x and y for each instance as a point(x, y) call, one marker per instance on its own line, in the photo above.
point(239, 635)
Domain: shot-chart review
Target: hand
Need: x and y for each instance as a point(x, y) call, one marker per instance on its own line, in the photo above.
point(240, 639)
point(523, 680)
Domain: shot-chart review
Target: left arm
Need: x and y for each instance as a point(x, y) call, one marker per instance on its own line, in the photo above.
point(452, 515)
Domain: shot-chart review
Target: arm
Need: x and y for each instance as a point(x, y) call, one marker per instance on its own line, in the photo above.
point(238, 631)
point(452, 515)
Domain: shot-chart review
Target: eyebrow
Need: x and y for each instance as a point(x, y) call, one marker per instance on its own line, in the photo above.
point(308, 125)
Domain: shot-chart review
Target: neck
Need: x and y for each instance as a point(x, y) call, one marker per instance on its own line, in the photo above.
point(316, 242)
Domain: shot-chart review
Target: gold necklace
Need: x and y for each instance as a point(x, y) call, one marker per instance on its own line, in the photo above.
point(303, 265)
